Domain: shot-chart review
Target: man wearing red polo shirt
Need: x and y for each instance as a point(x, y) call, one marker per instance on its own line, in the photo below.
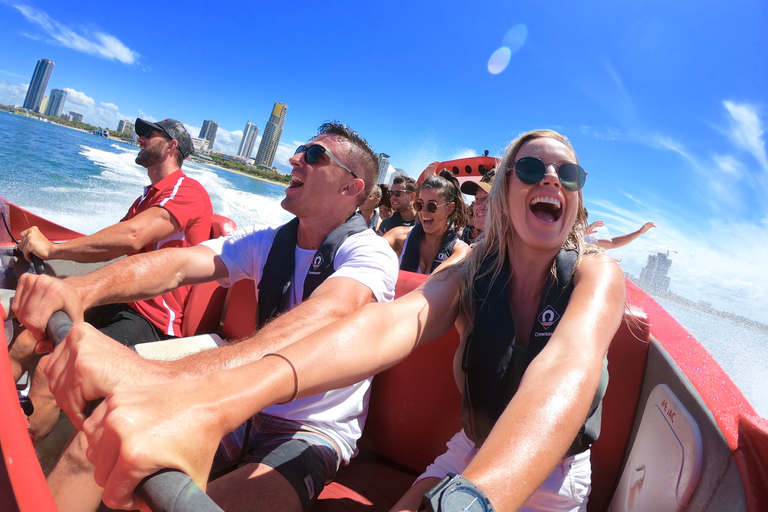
point(174, 211)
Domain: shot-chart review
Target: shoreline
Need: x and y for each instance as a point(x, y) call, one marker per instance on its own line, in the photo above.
point(241, 173)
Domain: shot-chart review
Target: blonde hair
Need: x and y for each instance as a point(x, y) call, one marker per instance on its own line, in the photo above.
point(498, 226)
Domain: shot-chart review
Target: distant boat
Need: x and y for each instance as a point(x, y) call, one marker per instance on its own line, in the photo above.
point(677, 433)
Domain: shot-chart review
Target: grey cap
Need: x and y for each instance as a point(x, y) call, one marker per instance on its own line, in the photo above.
point(172, 128)
point(485, 183)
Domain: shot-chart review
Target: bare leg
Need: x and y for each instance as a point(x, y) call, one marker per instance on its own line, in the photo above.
point(47, 411)
point(412, 499)
point(22, 354)
point(254, 487)
point(71, 481)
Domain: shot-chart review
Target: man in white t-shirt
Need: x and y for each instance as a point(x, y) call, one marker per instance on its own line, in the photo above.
point(319, 267)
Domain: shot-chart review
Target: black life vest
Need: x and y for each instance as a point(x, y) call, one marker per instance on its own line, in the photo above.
point(275, 283)
point(494, 365)
point(410, 259)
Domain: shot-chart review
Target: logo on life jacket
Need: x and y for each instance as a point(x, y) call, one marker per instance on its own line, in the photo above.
point(548, 317)
point(317, 261)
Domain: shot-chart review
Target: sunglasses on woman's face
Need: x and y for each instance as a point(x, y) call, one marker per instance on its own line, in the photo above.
point(531, 170)
point(315, 151)
point(431, 206)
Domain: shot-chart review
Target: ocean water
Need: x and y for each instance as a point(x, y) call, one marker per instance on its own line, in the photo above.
point(87, 183)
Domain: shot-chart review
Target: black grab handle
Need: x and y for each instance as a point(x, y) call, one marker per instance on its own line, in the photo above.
point(168, 490)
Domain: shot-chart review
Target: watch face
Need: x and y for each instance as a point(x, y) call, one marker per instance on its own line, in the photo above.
point(462, 499)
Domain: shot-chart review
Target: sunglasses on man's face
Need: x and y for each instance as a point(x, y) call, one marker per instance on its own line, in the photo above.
point(315, 151)
point(531, 170)
point(398, 193)
point(431, 206)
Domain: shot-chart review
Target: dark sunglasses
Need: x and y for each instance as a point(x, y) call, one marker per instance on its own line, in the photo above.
point(432, 206)
point(398, 193)
point(315, 151)
point(532, 170)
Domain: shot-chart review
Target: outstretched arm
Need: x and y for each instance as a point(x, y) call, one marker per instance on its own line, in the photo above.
point(139, 277)
point(123, 238)
point(622, 240)
point(138, 430)
point(543, 418)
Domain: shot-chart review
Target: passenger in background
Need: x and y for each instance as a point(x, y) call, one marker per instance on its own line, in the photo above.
point(433, 241)
point(480, 190)
point(385, 208)
point(470, 232)
point(615, 242)
point(369, 209)
point(401, 197)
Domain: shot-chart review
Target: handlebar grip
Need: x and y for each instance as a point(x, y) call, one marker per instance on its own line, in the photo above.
point(170, 490)
point(38, 265)
point(58, 326)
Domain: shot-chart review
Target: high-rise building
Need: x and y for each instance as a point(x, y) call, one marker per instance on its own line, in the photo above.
point(271, 138)
point(208, 132)
point(249, 137)
point(383, 166)
point(56, 103)
point(37, 86)
point(653, 276)
point(126, 126)
point(76, 117)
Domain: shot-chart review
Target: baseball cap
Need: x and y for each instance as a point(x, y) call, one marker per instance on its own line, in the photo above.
point(485, 183)
point(172, 128)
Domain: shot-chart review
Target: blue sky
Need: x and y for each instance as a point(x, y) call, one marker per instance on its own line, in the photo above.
point(665, 102)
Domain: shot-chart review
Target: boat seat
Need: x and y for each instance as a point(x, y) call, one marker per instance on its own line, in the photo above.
point(205, 304)
point(415, 408)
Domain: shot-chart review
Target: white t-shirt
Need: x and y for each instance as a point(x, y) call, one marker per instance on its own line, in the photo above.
point(365, 257)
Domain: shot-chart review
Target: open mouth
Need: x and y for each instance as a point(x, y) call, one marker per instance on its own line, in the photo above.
point(546, 208)
point(295, 182)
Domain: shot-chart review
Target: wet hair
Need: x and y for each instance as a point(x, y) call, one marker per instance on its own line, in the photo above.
point(360, 156)
point(408, 182)
point(447, 187)
point(498, 226)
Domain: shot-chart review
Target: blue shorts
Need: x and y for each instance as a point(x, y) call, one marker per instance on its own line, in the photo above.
point(305, 457)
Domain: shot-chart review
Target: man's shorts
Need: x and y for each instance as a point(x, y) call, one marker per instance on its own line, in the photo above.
point(565, 489)
point(304, 456)
point(121, 323)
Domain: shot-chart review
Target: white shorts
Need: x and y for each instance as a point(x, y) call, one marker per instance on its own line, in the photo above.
point(565, 489)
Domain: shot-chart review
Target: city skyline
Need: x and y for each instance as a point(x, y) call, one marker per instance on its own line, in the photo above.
point(668, 120)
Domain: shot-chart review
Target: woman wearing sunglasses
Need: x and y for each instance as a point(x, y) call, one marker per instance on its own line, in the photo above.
point(536, 310)
point(433, 240)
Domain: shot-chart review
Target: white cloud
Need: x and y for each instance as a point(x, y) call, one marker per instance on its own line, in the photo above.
point(109, 105)
point(747, 131)
point(98, 44)
point(12, 94)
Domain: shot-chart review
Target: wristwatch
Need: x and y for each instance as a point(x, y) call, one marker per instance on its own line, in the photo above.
point(455, 493)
